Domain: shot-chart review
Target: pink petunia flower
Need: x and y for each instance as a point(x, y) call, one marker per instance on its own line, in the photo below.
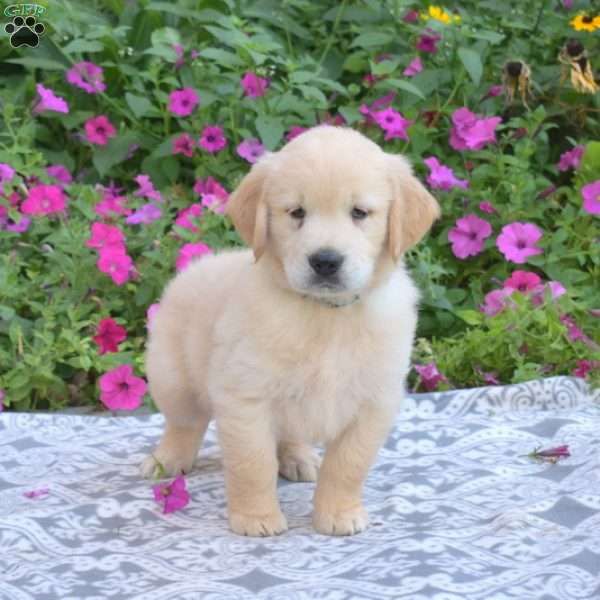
point(470, 132)
point(412, 16)
point(468, 236)
point(148, 213)
point(116, 263)
point(556, 291)
point(591, 197)
point(250, 150)
point(517, 241)
point(442, 177)
point(120, 389)
point(210, 186)
point(575, 333)
point(254, 86)
point(571, 159)
point(44, 200)
point(109, 335)
point(414, 67)
point(19, 226)
point(567, 4)
point(106, 236)
point(183, 102)
point(523, 281)
point(393, 123)
point(184, 216)
point(98, 130)
point(294, 132)
point(428, 43)
point(430, 376)
point(490, 378)
point(60, 173)
point(87, 76)
point(146, 188)
point(184, 144)
point(180, 55)
point(212, 139)
point(494, 91)
point(496, 301)
point(112, 205)
point(49, 101)
point(6, 173)
point(188, 251)
point(487, 207)
point(584, 367)
point(150, 313)
point(174, 495)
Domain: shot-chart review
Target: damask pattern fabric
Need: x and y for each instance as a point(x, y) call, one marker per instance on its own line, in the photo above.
point(458, 511)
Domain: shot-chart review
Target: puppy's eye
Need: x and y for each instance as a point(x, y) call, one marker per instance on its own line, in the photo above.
point(359, 214)
point(298, 213)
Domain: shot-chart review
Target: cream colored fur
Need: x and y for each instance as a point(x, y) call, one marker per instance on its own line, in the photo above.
point(241, 336)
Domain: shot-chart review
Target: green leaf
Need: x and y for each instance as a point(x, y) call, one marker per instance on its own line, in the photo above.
point(270, 129)
point(350, 113)
point(472, 62)
point(407, 86)
point(138, 104)
point(39, 63)
point(222, 57)
point(472, 317)
point(372, 38)
point(83, 46)
point(114, 152)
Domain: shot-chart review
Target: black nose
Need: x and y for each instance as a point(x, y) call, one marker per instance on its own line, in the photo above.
point(326, 262)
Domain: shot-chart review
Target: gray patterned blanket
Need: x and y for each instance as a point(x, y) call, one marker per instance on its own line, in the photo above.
point(458, 511)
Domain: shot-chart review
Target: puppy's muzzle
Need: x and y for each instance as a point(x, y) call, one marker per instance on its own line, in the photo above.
point(326, 262)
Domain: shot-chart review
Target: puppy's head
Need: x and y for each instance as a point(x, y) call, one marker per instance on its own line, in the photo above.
point(329, 208)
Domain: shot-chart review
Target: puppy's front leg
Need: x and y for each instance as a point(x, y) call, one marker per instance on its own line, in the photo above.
point(338, 508)
point(250, 461)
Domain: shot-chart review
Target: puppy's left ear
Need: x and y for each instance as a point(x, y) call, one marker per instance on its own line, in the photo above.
point(413, 209)
point(248, 211)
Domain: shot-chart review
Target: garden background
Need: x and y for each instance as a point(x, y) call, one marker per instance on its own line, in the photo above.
point(123, 131)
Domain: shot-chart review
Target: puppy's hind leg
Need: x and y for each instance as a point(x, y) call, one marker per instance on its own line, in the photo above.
point(297, 461)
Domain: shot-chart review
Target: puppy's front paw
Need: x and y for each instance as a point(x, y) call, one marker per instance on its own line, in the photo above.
point(164, 464)
point(346, 522)
point(258, 525)
point(298, 463)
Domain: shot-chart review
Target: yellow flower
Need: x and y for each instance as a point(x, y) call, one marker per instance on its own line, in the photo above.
point(439, 14)
point(583, 22)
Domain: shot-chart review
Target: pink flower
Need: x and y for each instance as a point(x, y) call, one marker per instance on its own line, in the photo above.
point(496, 301)
point(567, 4)
point(19, 226)
point(6, 173)
point(120, 389)
point(212, 139)
point(294, 132)
point(571, 158)
point(180, 55)
point(183, 102)
point(146, 188)
point(112, 205)
point(183, 218)
point(412, 16)
point(556, 291)
point(150, 313)
point(148, 213)
point(414, 67)
point(575, 333)
point(486, 207)
point(517, 241)
point(48, 101)
point(442, 177)
point(174, 494)
point(523, 281)
point(184, 144)
point(430, 376)
point(393, 123)
point(468, 236)
point(489, 378)
point(494, 91)
point(547, 192)
point(584, 366)
point(254, 86)
point(98, 130)
point(550, 455)
point(250, 150)
point(115, 262)
point(36, 493)
point(60, 173)
point(44, 200)
point(106, 236)
point(109, 335)
point(210, 186)
point(591, 197)
point(188, 251)
point(87, 76)
point(471, 132)
point(428, 43)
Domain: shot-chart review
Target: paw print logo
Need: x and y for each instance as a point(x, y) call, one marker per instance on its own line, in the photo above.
point(24, 32)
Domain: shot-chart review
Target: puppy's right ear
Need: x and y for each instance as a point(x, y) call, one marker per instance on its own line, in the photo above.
point(248, 211)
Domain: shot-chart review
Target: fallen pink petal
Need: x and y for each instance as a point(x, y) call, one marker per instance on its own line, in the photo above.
point(173, 496)
point(36, 493)
point(551, 455)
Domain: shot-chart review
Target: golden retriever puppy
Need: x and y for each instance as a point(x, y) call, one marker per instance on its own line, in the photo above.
point(305, 339)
